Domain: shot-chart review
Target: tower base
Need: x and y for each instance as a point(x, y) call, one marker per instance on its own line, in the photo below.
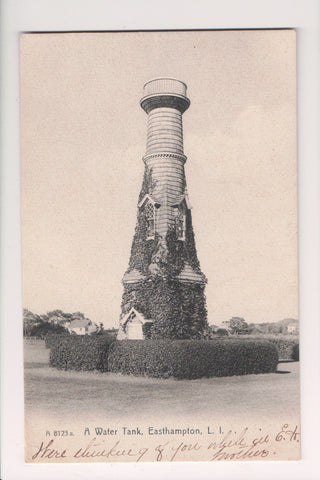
point(165, 309)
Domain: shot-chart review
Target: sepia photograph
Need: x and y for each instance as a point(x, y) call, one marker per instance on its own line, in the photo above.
point(159, 246)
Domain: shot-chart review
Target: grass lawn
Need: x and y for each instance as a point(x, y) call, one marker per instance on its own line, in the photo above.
point(57, 393)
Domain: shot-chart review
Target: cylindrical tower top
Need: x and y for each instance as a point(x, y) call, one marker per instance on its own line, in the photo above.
point(165, 92)
point(165, 85)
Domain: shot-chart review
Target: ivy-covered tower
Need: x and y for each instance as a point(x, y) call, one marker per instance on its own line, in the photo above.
point(163, 286)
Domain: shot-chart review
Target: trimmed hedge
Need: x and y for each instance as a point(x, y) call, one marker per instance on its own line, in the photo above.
point(190, 359)
point(295, 352)
point(51, 338)
point(287, 345)
point(77, 352)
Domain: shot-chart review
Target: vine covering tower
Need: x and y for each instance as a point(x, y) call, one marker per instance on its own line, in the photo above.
point(163, 293)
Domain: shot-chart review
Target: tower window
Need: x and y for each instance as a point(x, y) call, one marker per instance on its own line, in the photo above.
point(150, 219)
point(180, 221)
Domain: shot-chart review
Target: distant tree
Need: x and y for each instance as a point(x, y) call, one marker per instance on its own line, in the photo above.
point(237, 325)
point(210, 332)
point(254, 329)
point(222, 332)
point(55, 316)
point(78, 316)
point(263, 327)
point(274, 328)
point(30, 320)
point(60, 317)
point(41, 330)
point(100, 330)
point(58, 313)
point(50, 322)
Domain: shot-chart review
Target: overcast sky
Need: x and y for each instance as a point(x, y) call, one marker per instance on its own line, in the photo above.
point(83, 138)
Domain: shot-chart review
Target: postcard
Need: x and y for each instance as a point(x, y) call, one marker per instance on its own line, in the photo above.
point(159, 246)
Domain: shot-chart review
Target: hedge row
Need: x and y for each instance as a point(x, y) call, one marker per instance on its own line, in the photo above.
point(77, 352)
point(190, 359)
point(288, 348)
point(52, 338)
point(295, 352)
point(287, 345)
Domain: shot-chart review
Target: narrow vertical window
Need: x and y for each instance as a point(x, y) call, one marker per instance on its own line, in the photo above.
point(180, 224)
point(150, 220)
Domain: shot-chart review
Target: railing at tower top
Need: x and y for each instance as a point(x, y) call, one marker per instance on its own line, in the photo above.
point(165, 85)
